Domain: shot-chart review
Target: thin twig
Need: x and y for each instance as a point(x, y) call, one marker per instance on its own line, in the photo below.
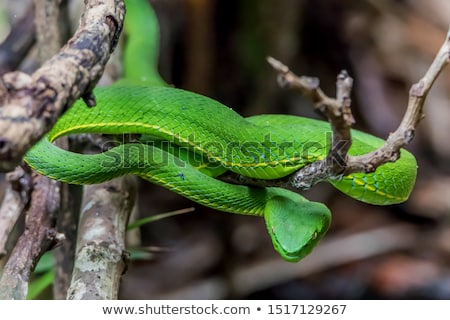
point(32, 104)
point(339, 115)
point(404, 134)
point(338, 163)
point(338, 112)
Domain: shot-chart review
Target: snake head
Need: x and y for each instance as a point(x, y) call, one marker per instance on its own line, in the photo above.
point(295, 225)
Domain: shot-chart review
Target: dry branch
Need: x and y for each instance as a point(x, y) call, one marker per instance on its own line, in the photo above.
point(39, 236)
point(338, 113)
point(100, 253)
point(404, 134)
point(16, 198)
point(31, 104)
point(49, 35)
point(338, 163)
point(66, 224)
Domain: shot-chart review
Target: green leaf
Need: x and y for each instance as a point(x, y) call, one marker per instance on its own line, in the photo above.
point(37, 286)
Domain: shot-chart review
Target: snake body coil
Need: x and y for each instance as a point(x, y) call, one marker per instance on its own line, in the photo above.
point(187, 140)
point(217, 139)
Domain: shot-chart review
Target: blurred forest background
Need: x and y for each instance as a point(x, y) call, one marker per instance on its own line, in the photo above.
point(218, 48)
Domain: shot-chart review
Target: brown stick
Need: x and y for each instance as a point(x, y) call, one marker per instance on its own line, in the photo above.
point(404, 134)
point(17, 196)
point(30, 105)
point(38, 237)
point(338, 163)
point(100, 253)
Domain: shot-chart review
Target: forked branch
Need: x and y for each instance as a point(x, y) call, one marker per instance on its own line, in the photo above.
point(31, 104)
point(338, 163)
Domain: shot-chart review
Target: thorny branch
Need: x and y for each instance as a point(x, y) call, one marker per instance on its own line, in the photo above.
point(31, 104)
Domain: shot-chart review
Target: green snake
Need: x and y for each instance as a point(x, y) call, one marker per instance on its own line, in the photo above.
point(186, 140)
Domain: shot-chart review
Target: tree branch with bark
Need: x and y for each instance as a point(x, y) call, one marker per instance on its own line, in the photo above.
point(31, 104)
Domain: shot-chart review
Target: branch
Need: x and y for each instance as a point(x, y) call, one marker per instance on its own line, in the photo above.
point(38, 237)
point(17, 196)
point(338, 163)
point(48, 35)
point(66, 224)
point(341, 120)
point(32, 104)
point(100, 254)
point(339, 115)
point(404, 134)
